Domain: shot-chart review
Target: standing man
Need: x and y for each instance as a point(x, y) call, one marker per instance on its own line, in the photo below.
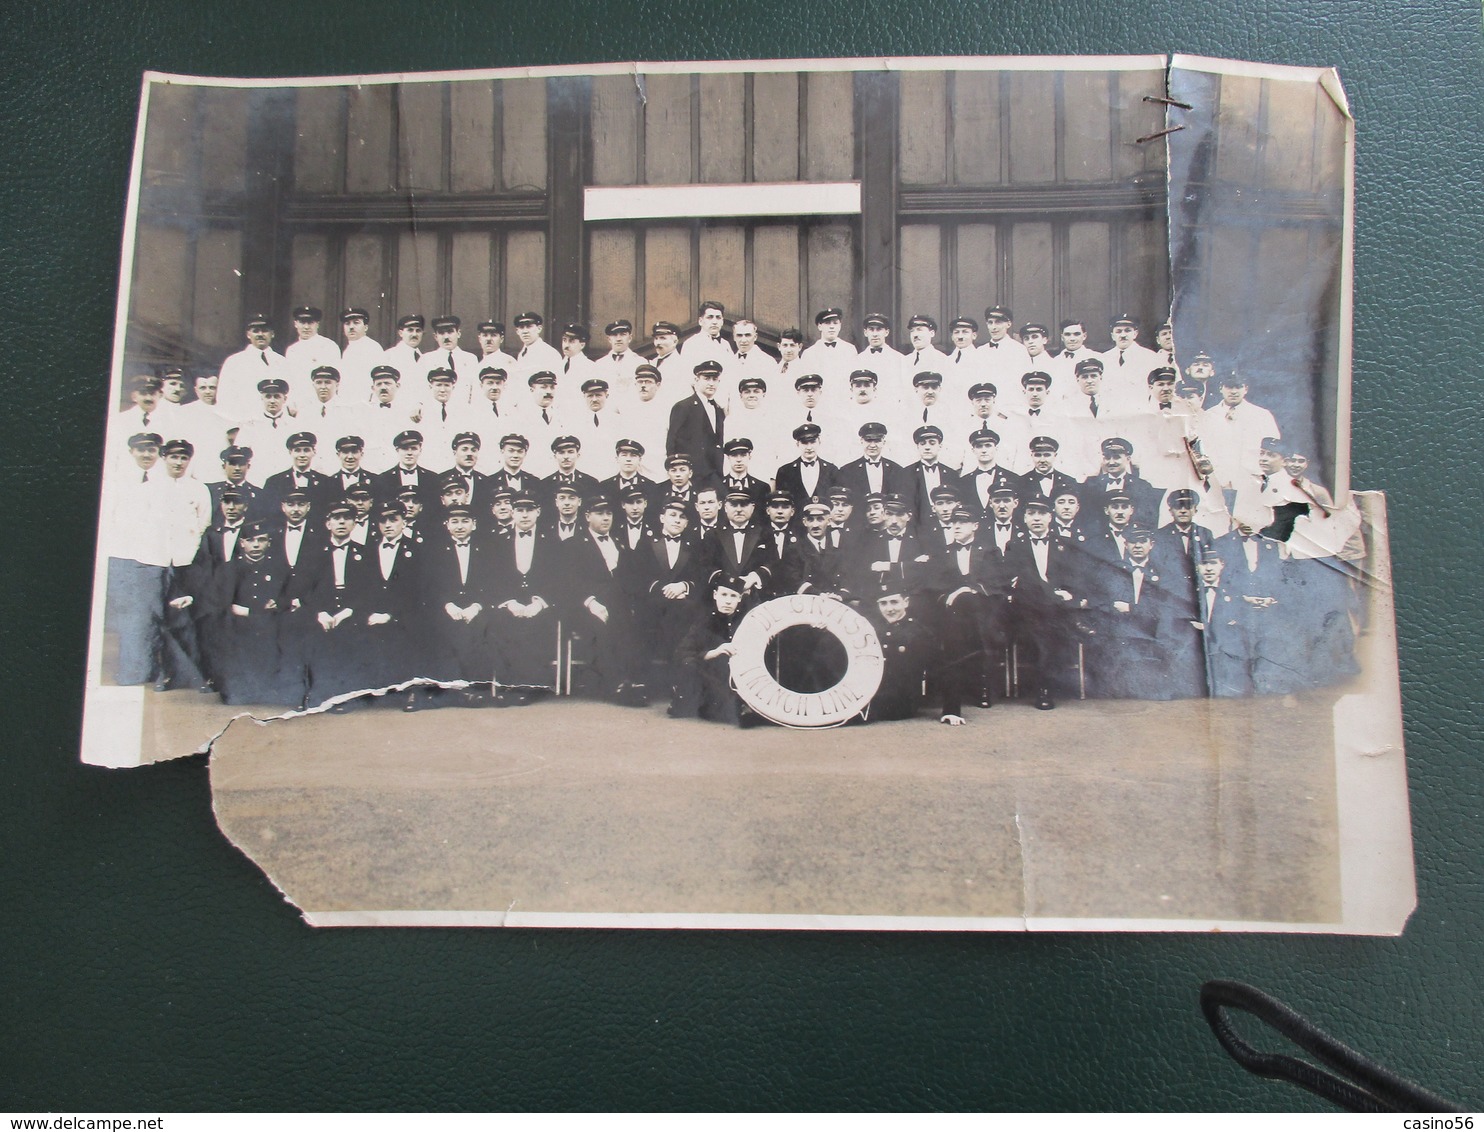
point(831, 356)
point(310, 351)
point(750, 363)
point(407, 355)
point(696, 423)
point(921, 330)
point(1127, 364)
point(667, 360)
point(535, 354)
point(1074, 349)
point(200, 421)
point(266, 431)
point(1232, 433)
point(707, 344)
point(1003, 358)
point(872, 472)
point(881, 358)
point(360, 354)
point(298, 476)
point(447, 355)
point(617, 366)
point(808, 476)
point(240, 373)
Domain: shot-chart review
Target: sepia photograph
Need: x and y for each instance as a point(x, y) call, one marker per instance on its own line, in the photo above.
point(841, 493)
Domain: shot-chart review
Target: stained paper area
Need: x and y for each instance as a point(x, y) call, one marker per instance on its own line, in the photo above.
point(1225, 747)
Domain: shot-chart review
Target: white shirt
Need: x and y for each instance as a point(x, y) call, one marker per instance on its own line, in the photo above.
point(237, 381)
point(178, 510)
point(303, 357)
point(357, 360)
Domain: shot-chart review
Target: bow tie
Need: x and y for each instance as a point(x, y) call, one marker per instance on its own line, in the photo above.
point(524, 534)
point(1039, 541)
point(672, 538)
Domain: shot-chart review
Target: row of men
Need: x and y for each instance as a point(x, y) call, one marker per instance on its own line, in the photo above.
point(1086, 400)
point(290, 611)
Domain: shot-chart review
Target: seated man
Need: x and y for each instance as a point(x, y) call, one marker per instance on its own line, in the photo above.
point(906, 647)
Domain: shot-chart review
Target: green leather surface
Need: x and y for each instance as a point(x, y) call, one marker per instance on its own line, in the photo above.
point(147, 965)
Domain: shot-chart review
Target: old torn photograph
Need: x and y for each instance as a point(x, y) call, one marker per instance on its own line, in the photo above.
point(881, 493)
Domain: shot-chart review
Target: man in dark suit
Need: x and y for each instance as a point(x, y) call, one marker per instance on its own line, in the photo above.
point(892, 554)
point(407, 471)
point(337, 657)
point(1139, 607)
point(593, 606)
point(665, 579)
point(1221, 623)
point(972, 584)
point(819, 562)
point(696, 422)
point(737, 476)
point(466, 447)
point(511, 474)
point(628, 455)
point(566, 451)
point(236, 462)
point(525, 591)
point(872, 472)
point(1047, 592)
point(457, 594)
point(387, 596)
point(737, 547)
point(297, 476)
point(905, 646)
point(1045, 478)
point(987, 474)
point(927, 473)
point(807, 477)
point(1118, 475)
point(349, 450)
point(1178, 544)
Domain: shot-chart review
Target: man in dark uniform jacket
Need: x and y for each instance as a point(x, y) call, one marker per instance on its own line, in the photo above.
point(891, 555)
point(349, 450)
point(634, 527)
point(628, 454)
point(737, 476)
point(737, 547)
point(1178, 544)
point(466, 447)
point(1044, 478)
point(566, 451)
point(873, 472)
point(906, 650)
point(1118, 475)
point(337, 658)
point(298, 476)
point(703, 687)
point(249, 661)
point(235, 465)
point(696, 423)
point(665, 577)
point(387, 594)
point(525, 591)
point(593, 605)
point(1221, 625)
point(935, 526)
point(819, 562)
point(971, 583)
point(407, 472)
point(987, 474)
point(927, 473)
point(457, 590)
point(1045, 599)
point(510, 475)
point(808, 476)
point(1139, 607)
point(780, 546)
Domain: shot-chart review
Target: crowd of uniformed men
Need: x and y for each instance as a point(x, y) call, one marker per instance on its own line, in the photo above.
point(288, 528)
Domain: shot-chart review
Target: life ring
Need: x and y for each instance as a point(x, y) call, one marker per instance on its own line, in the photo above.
point(831, 707)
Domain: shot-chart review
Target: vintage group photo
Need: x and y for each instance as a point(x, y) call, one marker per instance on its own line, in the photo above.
point(714, 405)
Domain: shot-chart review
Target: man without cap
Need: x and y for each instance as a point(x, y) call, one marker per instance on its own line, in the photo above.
point(309, 350)
point(790, 350)
point(806, 476)
point(697, 423)
point(266, 431)
point(200, 420)
point(358, 356)
point(750, 361)
point(1232, 432)
point(707, 343)
point(1072, 348)
point(830, 356)
point(240, 372)
point(872, 472)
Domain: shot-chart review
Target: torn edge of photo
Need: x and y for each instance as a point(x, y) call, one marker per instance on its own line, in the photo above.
point(859, 493)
